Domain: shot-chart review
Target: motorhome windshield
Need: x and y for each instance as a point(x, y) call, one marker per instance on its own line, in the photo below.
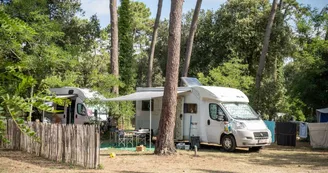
point(240, 111)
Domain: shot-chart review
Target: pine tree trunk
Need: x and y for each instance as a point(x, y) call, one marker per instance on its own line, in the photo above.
point(265, 45)
point(114, 42)
point(190, 41)
point(165, 141)
point(153, 43)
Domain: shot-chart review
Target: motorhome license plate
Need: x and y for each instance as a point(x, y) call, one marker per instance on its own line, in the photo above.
point(262, 141)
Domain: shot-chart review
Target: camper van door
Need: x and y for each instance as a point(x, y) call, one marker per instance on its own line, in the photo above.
point(214, 126)
point(81, 115)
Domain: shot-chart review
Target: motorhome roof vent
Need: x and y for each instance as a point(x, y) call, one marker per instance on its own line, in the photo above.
point(70, 91)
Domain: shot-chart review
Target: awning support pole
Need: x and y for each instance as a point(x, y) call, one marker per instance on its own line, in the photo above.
point(150, 109)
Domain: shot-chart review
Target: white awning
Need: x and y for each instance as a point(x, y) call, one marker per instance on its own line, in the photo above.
point(144, 95)
point(66, 96)
point(324, 110)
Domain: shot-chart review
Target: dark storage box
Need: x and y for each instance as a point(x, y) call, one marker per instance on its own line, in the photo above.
point(194, 140)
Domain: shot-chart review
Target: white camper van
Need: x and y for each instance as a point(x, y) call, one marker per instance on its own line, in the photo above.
point(217, 115)
point(78, 112)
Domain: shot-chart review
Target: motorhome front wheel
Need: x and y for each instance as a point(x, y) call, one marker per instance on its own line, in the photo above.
point(228, 143)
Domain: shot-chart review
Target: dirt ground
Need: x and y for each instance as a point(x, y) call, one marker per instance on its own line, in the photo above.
point(210, 159)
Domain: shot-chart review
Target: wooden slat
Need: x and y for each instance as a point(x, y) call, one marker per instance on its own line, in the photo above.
point(51, 141)
point(48, 136)
point(71, 142)
point(42, 140)
point(88, 147)
point(28, 142)
point(9, 134)
point(39, 135)
point(78, 146)
point(14, 138)
point(92, 144)
point(37, 144)
point(82, 146)
point(51, 144)
point(63, 142)
point(55, 147)
point(73, 145)
point(69, 129)
point(85, 146)
point(97, 149)
point(66, 143)
point(59, 143)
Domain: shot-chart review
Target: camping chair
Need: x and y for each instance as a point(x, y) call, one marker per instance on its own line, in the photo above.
point(128, 138)
point(121, 138)
point(141, 139)
point(146, 132)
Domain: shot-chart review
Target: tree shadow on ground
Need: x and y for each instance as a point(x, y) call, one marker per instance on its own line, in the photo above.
point(133, 172)
point(36, 160)
point(300, 146)
point(217, 148)
point(212, 171)
point(280, 156)
point(281, 159)
point(128, 154)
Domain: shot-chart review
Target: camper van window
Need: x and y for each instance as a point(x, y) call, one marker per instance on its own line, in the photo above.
point(215, 111)
point(145, 105)
point(81, 109)
point(60, 108)
point(190, 108)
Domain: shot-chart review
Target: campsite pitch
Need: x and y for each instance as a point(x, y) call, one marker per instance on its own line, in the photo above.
point(210, 159)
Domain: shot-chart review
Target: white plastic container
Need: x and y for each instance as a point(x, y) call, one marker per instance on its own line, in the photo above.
point(187, 147)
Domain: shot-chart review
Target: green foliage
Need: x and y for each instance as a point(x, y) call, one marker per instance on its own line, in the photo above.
point(15, 102)
point(307, 74)
point(41, 42)
point(272, 99)
point(100, 166)
point(231, 74)
point(57, 81)
point(295, 108)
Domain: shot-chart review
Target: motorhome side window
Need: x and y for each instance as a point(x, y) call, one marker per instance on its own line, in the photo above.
point(81, 109)
point(215, 111)
point(145, 105)
point(60, 108)
point(190, 108)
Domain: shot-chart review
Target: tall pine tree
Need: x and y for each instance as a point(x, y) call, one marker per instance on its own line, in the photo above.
point(127, 63)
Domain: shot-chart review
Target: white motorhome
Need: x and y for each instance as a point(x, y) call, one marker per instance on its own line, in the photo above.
point(217, 115)
point(78, 112)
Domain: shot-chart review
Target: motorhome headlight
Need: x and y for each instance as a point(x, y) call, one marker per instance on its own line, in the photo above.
point(240, 125)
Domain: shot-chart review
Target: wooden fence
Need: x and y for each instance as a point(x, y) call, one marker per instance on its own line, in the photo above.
point(74, 144)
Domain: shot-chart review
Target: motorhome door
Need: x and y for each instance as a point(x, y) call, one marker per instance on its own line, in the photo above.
point(81, 115)
point(214, 126)
point(70, 113)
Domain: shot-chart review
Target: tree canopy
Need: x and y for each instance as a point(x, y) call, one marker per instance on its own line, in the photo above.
point(47, 44)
